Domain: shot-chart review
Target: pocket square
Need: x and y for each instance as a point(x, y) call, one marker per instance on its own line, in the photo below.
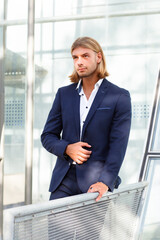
point(103, 108)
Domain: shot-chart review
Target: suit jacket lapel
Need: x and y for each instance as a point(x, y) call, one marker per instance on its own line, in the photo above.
point(76, 108)
point(98, 99)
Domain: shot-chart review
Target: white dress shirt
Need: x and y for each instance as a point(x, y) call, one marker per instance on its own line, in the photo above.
point(85, 104)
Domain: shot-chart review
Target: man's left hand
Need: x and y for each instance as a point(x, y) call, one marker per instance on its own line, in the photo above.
point(98, 187)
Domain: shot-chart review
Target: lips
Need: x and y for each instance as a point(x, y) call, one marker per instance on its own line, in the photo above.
point(81, 69)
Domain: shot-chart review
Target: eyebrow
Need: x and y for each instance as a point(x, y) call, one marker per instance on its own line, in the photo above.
point(86, 53)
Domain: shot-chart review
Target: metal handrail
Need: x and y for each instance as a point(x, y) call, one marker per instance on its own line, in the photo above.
point(25, 213)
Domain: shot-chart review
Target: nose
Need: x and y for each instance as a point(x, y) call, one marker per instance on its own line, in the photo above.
point(79, 61)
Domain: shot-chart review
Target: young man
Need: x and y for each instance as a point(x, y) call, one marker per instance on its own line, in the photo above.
point(88, 126)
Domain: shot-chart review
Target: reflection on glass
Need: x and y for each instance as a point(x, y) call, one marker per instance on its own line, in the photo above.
point(15, 81)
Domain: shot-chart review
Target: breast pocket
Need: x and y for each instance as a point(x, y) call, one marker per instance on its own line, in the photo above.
point(103, 114)
point(102, 119)
point(103, 108)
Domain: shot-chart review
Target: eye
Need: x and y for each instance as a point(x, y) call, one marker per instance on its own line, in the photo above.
point(74, 57)
point(86, 55)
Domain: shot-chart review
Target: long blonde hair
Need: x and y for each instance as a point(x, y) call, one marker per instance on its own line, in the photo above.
point(92, 44)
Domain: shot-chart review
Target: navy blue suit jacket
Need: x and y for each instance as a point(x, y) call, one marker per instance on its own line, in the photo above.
point(106, 129)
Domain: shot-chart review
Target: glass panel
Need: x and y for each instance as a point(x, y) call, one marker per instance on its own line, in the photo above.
point(151, 228)
point(141, 84)
point(133, 62)
point(53, 65)
point(70, 7)
point(17, 9)
point(15, 77)
point(132, 55)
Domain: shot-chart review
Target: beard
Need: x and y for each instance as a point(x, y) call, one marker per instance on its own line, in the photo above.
point(87, 74)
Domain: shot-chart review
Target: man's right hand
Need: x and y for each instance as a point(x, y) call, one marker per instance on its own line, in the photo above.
point(77, 153)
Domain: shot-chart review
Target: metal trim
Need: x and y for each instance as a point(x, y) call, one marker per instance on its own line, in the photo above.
point(80, 17)
point(2, 51)
point(1, 137)
point(154, 154)
point(29, 103)
point(151, 129)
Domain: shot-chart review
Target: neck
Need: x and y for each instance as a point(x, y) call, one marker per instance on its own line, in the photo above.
point(88, 83)
point(88, 86)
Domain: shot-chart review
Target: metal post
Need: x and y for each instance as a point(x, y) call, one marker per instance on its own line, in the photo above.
point(147, 151)
point(1, 133)
point(2, 47)
point(29, 103)
point(1, 130)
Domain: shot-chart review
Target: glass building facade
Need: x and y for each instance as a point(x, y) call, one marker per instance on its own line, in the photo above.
point(34, 64)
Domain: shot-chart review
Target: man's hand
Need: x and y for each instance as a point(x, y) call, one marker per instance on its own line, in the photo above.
point(77, 153)
point(98, 187)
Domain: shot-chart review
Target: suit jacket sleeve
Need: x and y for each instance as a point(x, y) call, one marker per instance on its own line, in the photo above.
point(118, 140)
point(51, 135)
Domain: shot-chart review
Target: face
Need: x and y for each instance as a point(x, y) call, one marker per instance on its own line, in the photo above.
point(86, 61)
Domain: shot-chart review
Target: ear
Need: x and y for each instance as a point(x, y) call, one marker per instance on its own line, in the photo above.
point(99, 57)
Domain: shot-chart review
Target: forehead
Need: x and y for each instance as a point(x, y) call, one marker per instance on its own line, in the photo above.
point(81, 51)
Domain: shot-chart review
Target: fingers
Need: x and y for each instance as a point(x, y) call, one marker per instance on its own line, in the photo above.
point(98, 187)
point(99, 197)
point(84, 144)
point(83, 153)
point(83, 158)
point(78, 153)
point(79, 161)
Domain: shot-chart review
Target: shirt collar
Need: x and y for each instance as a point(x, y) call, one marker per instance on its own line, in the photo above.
point(80, 89)
point(98, 84)
point(79, 86)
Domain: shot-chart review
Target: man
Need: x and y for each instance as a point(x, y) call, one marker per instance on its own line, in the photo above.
point(88, 126)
